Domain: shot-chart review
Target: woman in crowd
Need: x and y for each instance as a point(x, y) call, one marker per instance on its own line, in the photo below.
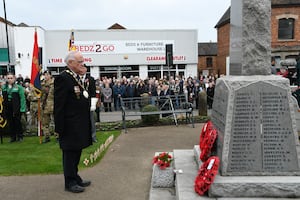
point(107, 97)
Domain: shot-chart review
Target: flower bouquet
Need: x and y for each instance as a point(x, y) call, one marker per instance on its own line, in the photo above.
point(163, 160)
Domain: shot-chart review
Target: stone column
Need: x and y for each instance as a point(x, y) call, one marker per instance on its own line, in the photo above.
point(250, 37)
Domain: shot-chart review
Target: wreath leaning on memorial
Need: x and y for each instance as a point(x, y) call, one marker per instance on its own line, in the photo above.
point(206, 127)
point(209, 141)
point(206, 175)
point(208, 137)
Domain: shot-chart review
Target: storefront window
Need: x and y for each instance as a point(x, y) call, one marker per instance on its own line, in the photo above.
point(154, 71)
point(181, 66)
point(157, 75)
point(3, 70)
point(119, 71)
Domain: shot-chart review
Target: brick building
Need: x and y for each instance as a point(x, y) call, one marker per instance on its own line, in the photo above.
point(207, 58)
point(285, 29)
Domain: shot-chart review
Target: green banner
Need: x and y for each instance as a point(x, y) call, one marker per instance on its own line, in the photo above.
point(3, 55)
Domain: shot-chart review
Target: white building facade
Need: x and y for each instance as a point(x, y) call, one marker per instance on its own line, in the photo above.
point(23, 49)
point(20, 41)
point(111, 53)
point(119, 53)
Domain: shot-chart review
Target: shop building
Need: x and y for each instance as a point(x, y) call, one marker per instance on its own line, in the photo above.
point(111, 53)
point(122, 52)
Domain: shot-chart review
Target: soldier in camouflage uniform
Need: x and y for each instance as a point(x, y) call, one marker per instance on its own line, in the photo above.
point(47, 101)
point(33, 99)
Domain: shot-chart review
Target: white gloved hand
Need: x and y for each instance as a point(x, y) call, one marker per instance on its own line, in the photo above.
point(94, 101)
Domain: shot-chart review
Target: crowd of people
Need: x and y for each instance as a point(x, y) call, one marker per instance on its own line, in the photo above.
point(20, 101)
point(108, 91)
point(112, 89)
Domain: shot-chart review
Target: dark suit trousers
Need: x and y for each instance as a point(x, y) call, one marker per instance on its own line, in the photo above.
point(71, 160)
point(14, 122)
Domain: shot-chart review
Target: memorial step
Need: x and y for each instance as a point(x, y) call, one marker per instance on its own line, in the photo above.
point(162, 194)
point(185, 160)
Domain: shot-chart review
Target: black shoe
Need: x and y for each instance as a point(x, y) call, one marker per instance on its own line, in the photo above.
point(75, 189)
point(95, 140)
point(84, 183)
point(46, 140)
point(12, 140)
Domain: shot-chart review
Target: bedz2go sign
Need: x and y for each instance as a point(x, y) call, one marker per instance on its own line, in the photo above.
point(95, 48)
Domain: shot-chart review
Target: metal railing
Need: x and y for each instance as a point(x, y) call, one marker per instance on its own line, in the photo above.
point(169, 105)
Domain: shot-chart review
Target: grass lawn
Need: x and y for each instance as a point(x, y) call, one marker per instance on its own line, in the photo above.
point(31, 157)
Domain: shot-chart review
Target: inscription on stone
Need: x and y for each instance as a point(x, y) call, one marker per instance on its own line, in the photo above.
point(262, 139)
point(245, 138)
point(220, 107)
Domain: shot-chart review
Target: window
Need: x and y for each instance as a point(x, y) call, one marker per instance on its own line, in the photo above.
point(209, 62)
point(286, 28)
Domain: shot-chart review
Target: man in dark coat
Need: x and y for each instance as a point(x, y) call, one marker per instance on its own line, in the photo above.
point(72, 118)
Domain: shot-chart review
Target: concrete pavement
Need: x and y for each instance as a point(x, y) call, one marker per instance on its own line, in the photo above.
point(123, 174)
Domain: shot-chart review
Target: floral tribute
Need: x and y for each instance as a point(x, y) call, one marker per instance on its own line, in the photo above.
point(208, 126)
point(208, 137)
point(206, 175)
point(163, 160)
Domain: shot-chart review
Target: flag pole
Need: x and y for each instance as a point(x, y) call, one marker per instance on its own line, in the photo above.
point(40, 121)
point(71, 46)
point(36, 81)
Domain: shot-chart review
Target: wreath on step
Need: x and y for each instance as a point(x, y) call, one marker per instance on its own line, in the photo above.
point(206, 175)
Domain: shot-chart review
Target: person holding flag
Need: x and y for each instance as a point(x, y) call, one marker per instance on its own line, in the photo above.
point(14, 105)
point(47, 104)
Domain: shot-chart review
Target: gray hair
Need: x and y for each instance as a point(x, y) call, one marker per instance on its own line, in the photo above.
point(70, 56)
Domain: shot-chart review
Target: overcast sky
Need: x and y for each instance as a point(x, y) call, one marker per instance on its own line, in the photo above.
point(202, 15)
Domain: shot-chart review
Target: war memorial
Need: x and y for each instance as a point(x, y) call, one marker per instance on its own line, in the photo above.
point(254, 114)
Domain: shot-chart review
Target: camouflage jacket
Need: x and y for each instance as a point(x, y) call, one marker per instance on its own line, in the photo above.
point(47, 98)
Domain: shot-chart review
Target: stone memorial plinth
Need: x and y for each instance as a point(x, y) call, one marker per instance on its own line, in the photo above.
point(257, 128)
point(257, 138)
